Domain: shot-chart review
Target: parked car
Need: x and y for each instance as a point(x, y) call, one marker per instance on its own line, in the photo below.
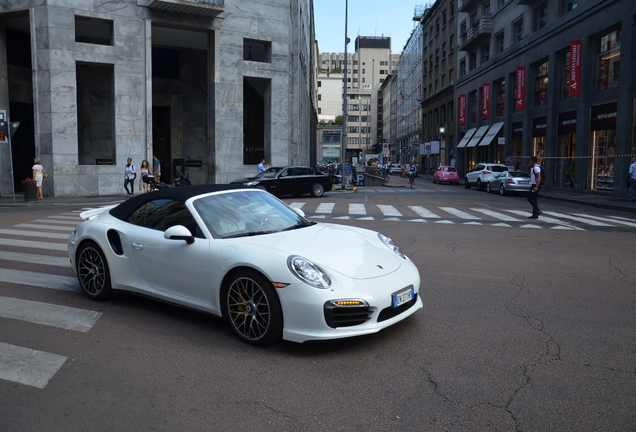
point(242, 254)
point(481, 175)
point(446, 174)
point(509, 181)
point(395, 169)
point(291, 180)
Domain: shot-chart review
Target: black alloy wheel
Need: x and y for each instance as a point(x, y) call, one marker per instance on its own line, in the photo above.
point(466, 183)
point(253, 308)
point(479, 186)
point(92, 272)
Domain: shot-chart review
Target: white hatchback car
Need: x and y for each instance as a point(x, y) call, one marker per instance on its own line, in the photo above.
point(482, 174)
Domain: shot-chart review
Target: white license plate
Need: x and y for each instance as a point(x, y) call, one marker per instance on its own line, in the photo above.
point(403, 296)
point(524, 182)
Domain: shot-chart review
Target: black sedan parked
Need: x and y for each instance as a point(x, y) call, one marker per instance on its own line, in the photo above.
point(291, 180)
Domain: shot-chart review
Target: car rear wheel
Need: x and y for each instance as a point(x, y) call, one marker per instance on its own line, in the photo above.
point(466, 183)
point(479, 186)
point(92, 272)
point(253, 308)
point(502, 190)
point(317, 190)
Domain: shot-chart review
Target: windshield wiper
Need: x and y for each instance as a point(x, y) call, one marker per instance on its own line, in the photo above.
point(299, 225)
point(249, 234)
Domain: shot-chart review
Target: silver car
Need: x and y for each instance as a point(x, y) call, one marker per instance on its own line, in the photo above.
point(482, 174)
point(509, 182)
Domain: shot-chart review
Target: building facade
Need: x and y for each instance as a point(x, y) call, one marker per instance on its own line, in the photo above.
point(366, 68)
point(208, 86)
point(439, 66)
point(544, 78)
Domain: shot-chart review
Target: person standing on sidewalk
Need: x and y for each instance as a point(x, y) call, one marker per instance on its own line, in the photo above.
point(129, 178)
point(535, 186)
point(632, 179)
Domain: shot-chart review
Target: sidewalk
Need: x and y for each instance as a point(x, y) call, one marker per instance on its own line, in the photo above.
point(590, 198)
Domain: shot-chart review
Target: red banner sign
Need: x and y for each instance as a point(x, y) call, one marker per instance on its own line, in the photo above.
point(485, 101)
point(575, 67)
point(520, 96)
point(462, 110)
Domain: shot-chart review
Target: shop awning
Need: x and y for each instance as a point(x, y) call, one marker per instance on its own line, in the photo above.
point(492, 133)
point(478, 136)
point(467, 137)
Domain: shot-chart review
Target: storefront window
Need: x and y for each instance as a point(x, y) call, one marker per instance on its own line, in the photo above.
point(603, 125)
point(566, 149)
point(541, 85)
point(515, 144)
point(539, 128)
point(608, 62)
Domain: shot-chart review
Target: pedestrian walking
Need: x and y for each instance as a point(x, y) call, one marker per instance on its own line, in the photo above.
point(632, 179)
point(38, 175)
point(156, 168)
point(535, 186)
point(261, 166)
point(129, 178)
point(145, 170)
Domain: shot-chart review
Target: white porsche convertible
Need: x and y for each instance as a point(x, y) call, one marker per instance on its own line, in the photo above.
point(242, 254)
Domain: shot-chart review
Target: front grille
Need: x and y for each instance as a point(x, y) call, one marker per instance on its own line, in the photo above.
point(391, 312)
point(346, 316)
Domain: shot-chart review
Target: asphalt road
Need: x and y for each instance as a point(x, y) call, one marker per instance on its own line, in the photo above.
point(523, 329)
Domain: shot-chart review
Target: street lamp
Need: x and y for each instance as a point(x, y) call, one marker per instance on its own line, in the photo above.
point(343, 157)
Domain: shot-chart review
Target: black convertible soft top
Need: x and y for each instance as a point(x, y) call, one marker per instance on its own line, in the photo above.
point(180, 194)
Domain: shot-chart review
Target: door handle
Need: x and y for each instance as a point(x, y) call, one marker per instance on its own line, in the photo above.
point(137, 245)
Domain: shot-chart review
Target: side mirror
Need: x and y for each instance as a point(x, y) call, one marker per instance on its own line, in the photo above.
point(179, 232)
point(299, 211)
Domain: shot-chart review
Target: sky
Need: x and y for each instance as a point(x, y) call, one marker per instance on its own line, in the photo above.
point(393, 18)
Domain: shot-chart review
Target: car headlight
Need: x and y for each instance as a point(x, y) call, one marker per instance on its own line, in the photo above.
point(251, 183)
point(308, 272)
point(391, 245)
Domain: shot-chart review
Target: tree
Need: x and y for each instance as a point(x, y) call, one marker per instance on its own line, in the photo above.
point(339, 120)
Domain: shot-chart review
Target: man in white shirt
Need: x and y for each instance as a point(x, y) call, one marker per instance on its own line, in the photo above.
point(535, 186)
point(632, 179)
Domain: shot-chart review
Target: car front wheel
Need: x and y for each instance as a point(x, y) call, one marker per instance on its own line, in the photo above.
point(488, 188)
point(92, 272)
point(466, 183)
point(502, 190)
point(253, 308)
point(317, 190)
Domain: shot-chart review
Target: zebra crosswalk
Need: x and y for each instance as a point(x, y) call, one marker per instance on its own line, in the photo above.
point(453, 215)
point(25, 365)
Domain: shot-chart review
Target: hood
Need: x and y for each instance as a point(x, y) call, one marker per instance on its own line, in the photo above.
point(354, 252)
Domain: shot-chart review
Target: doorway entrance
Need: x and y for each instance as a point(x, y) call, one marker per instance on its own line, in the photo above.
point(161, 140)
point(22, 143)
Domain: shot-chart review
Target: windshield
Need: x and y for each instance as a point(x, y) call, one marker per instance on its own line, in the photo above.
point(519, 174)
point(496, 168)
point(270, 173)
point(451, 169)
point(247, 213)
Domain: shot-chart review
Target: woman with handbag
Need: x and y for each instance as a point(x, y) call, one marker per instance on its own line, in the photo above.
point(38, 175)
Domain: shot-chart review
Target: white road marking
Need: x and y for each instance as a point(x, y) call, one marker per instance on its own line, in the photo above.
point(460, 214)
point(47, 227)
point(622, 222)
point(325, 208)
point(389, 210)
point(75, 218)
point(546, 219)
point(34, 244)
point(64, 317)
point(33, 234)
point(64, 283)
point(496, 215)
point(66, 222)
point(27, 366)
point(34, 258)
point(578, 219)
point(357, 209)
point(421, 211)
point(298, 205)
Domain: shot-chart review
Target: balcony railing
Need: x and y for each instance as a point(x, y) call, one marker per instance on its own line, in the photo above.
point(468, 5)
point(476, 35)
point(209, 8)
